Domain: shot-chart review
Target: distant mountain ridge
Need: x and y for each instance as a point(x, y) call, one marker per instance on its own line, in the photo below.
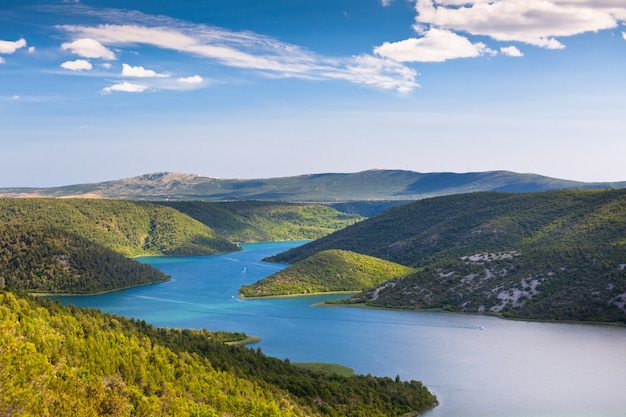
point(372, 185)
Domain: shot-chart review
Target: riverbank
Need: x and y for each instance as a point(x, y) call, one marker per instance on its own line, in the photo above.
point(53, 294)
point(310, 294)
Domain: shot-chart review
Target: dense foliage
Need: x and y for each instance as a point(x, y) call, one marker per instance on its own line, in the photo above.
point(57, 360)
point(256, 221)
point(40, 259)
point(130, 228)
point(327, 271)
point(550, 255)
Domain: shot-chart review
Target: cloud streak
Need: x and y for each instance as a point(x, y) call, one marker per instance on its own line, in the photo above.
point(437, 45)
point(9, 47)
point(243, 50)
point(77, 65)
point(125, 87)
point(140, 72)
point(89, 48)
point(535, 22)
point(445, 26)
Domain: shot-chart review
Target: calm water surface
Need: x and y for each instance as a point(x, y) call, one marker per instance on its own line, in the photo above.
point(477, 366)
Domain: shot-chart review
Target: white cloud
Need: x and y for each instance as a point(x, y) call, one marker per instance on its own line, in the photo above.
point(9, 47)
point(437, 45)
point(31, 50)
point(106, 65)
point(89, 48)
point(2, 61)
point(247, 50)
point(385, 3)
point(624, 35)
point(196, 79)
point(536, 22)
point(78, 65)
point(140, 72)
point(125, 87)
point(511, 51)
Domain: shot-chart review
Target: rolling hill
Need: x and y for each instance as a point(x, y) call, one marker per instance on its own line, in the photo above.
point(550, 255)
point(127, 227)
point(328, 271)
point(256, 221)
point(65, 361)
point(370, 185)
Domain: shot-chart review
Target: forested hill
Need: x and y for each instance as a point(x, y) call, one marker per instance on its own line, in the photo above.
point(129, 228)
point(552, 255)
point(44, 260)
point(67, 361)
point(329, 187)
point(257, 221)
point(327, 271)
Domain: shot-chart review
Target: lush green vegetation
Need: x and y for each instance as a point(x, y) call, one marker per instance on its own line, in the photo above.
point(331, 187)
point(255, 221)
point(130, 228)
point(551, 255)
point(39, 259)
point(331, 368)
point(327, 271)
point(57, 360)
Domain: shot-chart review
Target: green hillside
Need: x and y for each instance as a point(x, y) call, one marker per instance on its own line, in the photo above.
point(129, 228)
point(67, 361)
point(38, 259)
point(327, 271)
point(256, 221)
point(551, 255)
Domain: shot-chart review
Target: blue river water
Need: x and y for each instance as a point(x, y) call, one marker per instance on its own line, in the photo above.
point(478, 366)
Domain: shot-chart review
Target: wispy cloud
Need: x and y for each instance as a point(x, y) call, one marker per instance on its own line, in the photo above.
point(140, 72)
point(511, 51)
point(77, 65)
point(9, 47)
point(437, 45)
point(125, 87)
point(444, 26)
point(536, 22)
point(243, 50)
point(196, 79)
point(89, 48)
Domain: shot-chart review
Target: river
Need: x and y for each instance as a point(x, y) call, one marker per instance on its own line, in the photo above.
point(478, 366)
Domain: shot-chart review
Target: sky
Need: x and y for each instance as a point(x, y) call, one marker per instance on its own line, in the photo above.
point(94, 90)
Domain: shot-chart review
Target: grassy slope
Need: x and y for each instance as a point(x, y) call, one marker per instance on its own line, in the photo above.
point(255, 221)
point(130, 228)
point(57, 360)
point(562, 253)
point(327, 271)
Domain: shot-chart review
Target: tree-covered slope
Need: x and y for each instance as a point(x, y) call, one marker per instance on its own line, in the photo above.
point(255, 221)
point(39, 259)
point(130, 228)
point(552, 255)
point(67, 361)
point(327, 271)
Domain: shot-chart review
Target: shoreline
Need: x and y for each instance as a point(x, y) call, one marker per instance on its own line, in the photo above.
point(249, 340)
point(309, 294)
point(435, 310)
point(52, 294)
point(462, 313)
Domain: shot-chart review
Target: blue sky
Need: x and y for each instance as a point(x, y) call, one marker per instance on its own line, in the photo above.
point(99, 90)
